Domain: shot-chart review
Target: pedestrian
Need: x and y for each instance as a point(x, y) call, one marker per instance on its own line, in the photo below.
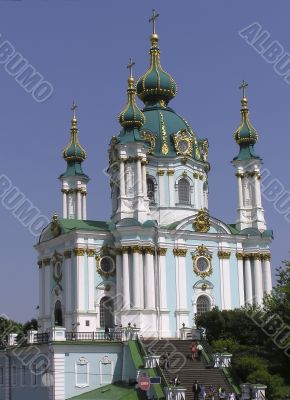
point(202, 393)
point(195, 390)
point(211, 392)
point(231, 396)
point(176, 381)
point(107, 333)
point(222, 394)
point(166, 360)
point(193, 351)
point(199, 349)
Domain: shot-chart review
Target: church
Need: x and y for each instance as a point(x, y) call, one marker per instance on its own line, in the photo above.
point(162, 258)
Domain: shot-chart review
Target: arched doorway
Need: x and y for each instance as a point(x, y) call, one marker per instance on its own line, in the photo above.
point(106, 312)
point(58, 314)
point(202, 304)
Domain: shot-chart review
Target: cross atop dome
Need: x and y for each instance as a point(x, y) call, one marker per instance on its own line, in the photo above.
point(153, 19)
point(243, 86)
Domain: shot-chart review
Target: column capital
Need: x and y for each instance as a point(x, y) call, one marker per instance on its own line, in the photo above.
point(136, 249)
point(160, 172)
point(240, 175)
point(200, 177)
point(91, 252)
point(67, 254)
point(161, 251)
point(256, 256)
point(78, 251)
point(179, 252)
point(39, 263)
point(195, 175)
point(46, 261)
point(266, 256)
point(247, 256)
point(239, 255)
point(125, 249)
point(148, 250)
point(224, 254)
point(170, 172)
point(66, 191)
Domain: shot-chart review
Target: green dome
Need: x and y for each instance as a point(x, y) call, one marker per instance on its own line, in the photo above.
point(246, 133)
point(132, 117)
point(156, 85)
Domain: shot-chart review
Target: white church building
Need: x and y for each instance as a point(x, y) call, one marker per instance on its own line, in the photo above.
point(162, 257)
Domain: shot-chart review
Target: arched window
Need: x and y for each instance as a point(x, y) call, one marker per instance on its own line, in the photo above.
point(58, 314)
point(106, 312)
point(150, 191)
point(202, 305)
point(183, 191)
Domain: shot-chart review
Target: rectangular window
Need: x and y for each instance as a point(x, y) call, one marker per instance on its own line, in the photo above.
point(14, 376)
point(33, 375)
point(23, 377)
point(1, 376)
point(87, 323)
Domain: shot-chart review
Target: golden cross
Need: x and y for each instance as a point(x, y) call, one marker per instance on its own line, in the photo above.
point(243, 87)
point(153, 20)
point(74, 107)
point(130, 66)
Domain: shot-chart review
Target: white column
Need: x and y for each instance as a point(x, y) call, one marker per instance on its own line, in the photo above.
point(40, 289)
point(47, 283)
point(149, 278)
point(91, 279)
point(126, 281)
point(257, 191)
point(181, 290)
point(248, 280)
point(79, 203)
point(162, 278)
point(80, 283)
point(139, 177)
point(84, 201)
point(59, 376)
point(136, 277)
point(240, 266)
point(144, 179)
point(225, 279)
point(195, 188)
point(122, 179)
point(240, 190)
point(258, 279)
point(160, 174)
point(119, 294)
point(68, 281)
point(64, 203)
point(171, 190)
point(267, 274)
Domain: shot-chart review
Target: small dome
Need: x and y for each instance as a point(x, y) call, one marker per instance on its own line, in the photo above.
point(156, 85)
point(246, 133)
point(74, 151)
point(132, 116)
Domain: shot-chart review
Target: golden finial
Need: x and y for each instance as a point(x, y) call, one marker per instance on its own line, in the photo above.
point(244, 100)
point(73, 109)
point(131, 79)
point(154, 36)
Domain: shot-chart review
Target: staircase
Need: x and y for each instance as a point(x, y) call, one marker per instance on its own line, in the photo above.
point(180, 363)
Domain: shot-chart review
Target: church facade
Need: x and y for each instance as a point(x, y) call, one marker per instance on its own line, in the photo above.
point(162, 258)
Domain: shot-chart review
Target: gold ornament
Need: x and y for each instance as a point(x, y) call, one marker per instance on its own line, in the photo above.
point(183, 143)
point(224, 254)
point(151, 139)
point(179, 252)
point(201, 222)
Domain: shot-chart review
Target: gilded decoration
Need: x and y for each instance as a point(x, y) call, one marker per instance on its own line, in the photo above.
point(105, 266)
point(148, 250)
point(56, 261)
point(67, 254)
point(201, 222)
point(151, 139)
point(164, 147)
point(39, 263)
point(204, 148)
point(91, 252)
point(202, 262)
point(195, 175)
point(224, 254)
point(161, 251)
point(239, 256)
point(46, 261)
point(266, 257)
point(183, 143)
point(55, 226)
point(200, 177)
point(79, 251)
point(204, 286)
point(179, 252)
point(170, 172)
point(160, 172)
point(136, 249)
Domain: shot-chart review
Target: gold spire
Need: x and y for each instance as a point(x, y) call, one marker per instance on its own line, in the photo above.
point(131, 79)
point(244, 100)
point(74, 151)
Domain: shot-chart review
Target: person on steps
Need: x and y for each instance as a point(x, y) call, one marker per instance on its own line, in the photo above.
point(211, 392)
point(199, 349)
point(193, 351)
point(195, 390)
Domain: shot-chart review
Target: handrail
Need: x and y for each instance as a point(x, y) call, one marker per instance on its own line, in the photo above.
point(229, 372)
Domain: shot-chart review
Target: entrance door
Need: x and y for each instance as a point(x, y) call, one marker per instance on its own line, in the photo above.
point(106, 312)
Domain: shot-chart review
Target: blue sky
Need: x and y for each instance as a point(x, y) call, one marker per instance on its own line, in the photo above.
point(82, 48)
